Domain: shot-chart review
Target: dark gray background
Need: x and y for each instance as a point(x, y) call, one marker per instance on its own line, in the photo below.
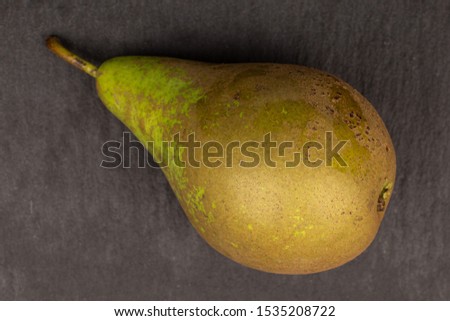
point(72, 230)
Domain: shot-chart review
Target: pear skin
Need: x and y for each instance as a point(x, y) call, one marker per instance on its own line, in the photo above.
point(282, 219)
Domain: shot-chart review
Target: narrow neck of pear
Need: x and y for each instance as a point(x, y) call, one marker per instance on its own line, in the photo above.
point(55, 46)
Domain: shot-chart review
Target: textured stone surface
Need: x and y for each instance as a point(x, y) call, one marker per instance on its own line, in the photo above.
point(72, 230)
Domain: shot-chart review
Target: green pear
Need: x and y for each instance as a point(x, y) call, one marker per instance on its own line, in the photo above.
point(296, 217)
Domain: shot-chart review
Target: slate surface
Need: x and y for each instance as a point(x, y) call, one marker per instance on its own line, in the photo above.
point(71, 230)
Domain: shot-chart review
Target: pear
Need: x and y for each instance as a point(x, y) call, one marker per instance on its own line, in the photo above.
point(293, 218)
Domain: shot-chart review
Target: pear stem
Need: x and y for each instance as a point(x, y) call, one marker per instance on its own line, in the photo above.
point(55, 46)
